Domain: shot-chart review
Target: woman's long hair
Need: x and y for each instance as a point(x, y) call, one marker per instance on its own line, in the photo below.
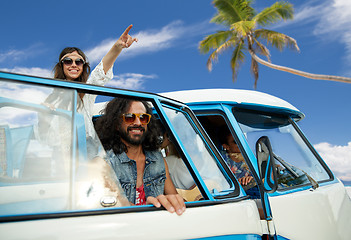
point(107, 127)
point(58, 69)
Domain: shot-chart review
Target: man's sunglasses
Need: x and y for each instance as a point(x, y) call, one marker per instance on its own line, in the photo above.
point(144, 118)
point(69, 61)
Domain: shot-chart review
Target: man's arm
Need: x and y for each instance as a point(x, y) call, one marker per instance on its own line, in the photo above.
point(172, 201)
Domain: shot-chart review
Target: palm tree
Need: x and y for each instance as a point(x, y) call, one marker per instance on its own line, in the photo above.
point(244, 36)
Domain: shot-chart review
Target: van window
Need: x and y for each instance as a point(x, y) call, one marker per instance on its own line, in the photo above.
point(203, 160)
point(295, 159)
point(46, 158)
point(218, 130)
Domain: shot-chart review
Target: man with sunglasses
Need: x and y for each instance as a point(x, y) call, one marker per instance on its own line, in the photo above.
point(130, 136)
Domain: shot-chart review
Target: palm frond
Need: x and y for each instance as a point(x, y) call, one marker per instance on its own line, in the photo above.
point(231, 11)
point(221, 19)
point(276, 39)
point(238, 58)
point(243, 28)
point(277, 12)
point(262, 49)
point(214, 55)
point(213, 41)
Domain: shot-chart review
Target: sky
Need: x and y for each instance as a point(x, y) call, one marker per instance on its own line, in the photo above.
point(167, 58)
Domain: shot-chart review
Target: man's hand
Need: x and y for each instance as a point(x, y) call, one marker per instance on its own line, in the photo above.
point(172, 202)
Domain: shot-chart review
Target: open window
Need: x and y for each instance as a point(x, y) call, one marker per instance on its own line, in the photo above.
point(201, 163)
point(231, 150)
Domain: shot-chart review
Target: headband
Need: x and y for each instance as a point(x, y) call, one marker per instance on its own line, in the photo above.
point(69, 54)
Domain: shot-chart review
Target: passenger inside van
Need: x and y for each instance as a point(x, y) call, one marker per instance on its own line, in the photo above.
point(236, 162)
point(180, 175)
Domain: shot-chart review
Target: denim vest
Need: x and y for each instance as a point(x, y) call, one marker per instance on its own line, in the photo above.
point(126, 172)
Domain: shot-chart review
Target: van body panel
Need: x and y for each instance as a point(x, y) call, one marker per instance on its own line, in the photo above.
point(323, 213)
point(196, 222)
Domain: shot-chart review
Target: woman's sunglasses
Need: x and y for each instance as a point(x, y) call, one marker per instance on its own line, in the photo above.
point(144, 118)
point(69, 61)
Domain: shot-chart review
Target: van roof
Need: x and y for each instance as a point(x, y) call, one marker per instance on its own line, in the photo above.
point(238, 96)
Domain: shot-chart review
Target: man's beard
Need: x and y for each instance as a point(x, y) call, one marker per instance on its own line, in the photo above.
point(128, 138)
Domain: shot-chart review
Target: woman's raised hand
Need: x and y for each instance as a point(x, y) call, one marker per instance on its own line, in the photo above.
point(125, 40)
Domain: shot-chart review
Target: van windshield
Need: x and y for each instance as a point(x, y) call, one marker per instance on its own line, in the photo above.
point(295, 159)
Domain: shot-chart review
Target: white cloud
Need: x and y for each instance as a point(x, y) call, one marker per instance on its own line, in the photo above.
point(333, 25)
point(333, 21)
point(15, 55)
point(175, 33)
point(331, 18)
point(338, 158)
point(148, 41)
point(34, 71)
point(308, 13)
point(12, 54)
point(132, 81)
point(153, 40)
point(334, 18)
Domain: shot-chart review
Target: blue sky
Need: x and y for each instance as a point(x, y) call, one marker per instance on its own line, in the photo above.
point(166, 58)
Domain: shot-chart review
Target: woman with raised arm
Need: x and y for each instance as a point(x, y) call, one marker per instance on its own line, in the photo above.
point(73, 65)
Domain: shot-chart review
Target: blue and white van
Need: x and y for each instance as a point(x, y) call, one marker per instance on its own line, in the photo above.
point(55, 183)
point(303, 200)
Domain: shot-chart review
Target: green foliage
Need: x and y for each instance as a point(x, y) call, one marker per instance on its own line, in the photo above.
point(242, 34)
point(275, 13)
point(276, 39)
point(238, 58)
point(214, 41)
point(231, 11)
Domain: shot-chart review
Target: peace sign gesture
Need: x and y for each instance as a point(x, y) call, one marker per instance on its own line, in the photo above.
point(125, 40)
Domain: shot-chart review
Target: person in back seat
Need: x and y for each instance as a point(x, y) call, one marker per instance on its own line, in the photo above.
point(178, 171)
point(236, 162)
point(181, 177)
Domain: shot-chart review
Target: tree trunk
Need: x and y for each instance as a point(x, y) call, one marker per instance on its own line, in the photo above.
point(300, 73)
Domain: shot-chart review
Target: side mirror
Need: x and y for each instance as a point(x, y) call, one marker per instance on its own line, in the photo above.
point(266, 164)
